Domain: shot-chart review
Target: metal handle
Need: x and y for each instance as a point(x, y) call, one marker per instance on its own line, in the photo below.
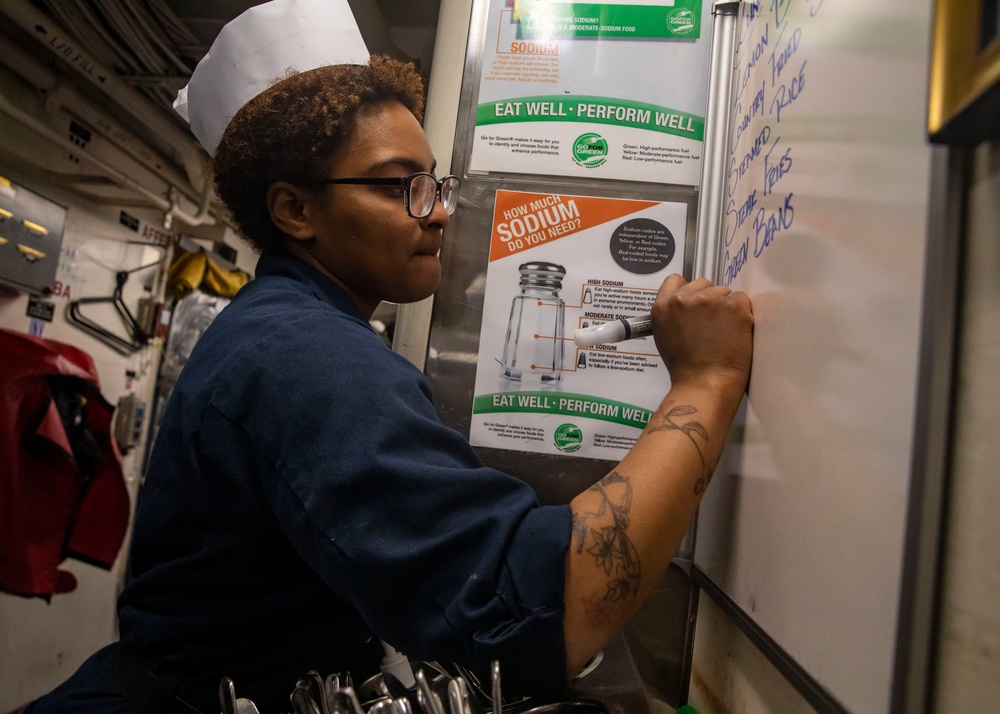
point(496, 691)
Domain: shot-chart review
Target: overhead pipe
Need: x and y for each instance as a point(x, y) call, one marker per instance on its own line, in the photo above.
point(67, 48)
point(170, 207)
point(62, 95)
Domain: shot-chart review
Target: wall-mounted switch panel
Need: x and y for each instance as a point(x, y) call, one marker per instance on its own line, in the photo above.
point(31, 236)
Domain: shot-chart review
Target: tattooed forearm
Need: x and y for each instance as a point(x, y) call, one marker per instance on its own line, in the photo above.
point(702, 483)
point(610, 545)
point(689, 429)
point(580, 529)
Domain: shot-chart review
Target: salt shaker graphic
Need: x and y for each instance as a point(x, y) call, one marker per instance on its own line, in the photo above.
point(533, 350)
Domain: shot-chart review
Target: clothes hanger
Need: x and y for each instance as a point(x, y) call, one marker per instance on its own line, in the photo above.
point(137, 335)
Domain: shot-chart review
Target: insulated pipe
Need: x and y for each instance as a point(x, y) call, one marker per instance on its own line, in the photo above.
point(66, 47)
point(62, 95)
point(170, 207)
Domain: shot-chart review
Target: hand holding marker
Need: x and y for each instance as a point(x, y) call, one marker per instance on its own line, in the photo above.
point(615, 331)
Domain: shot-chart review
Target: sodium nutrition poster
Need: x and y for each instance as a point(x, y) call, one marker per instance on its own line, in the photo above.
point(612, 90)
point(559, 263)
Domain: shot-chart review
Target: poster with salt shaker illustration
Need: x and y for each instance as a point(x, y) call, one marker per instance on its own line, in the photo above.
point(559, 263)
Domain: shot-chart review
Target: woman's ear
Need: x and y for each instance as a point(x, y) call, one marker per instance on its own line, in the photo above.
point(286, 203)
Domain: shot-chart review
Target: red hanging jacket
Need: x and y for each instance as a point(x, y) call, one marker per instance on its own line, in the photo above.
point(62, 493)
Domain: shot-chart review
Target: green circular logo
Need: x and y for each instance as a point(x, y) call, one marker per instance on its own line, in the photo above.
point(590, 150)
point(681, 21)
point(568, 437)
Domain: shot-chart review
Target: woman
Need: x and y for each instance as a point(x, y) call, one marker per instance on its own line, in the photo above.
point(304, 501)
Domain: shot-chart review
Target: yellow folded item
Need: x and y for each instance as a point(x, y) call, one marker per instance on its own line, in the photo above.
point(191, 271)
point(223, 282)
point(185, 274)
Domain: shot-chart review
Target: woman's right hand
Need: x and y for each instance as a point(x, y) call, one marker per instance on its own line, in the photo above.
point(704, 333)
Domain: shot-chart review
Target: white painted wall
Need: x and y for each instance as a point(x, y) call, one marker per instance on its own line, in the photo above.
point(41, 643)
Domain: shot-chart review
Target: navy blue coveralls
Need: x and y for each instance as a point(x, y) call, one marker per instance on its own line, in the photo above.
point(304, 501)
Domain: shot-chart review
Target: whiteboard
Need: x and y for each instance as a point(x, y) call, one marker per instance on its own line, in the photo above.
point(825, 227)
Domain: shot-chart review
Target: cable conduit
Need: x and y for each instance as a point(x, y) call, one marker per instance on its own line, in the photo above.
point(169, 207)
point(65, 46)
point(59, 94)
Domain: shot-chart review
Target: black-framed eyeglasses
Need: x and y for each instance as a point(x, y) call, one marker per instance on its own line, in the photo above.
point(420, 190)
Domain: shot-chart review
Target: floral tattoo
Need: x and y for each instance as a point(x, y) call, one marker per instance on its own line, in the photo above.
point(611, 547)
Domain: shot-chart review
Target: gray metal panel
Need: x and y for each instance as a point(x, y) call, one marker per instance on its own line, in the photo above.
point(457, 318)
point(662, 634)
point(31, 236)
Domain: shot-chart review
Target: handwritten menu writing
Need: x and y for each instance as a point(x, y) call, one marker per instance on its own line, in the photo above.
point(771, 74)
point(827, 178)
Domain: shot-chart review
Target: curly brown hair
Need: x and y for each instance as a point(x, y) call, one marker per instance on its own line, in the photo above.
point(292, 130)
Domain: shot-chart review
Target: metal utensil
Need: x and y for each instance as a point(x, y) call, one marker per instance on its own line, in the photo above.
point(302, 701)
point(331, 684)
point(495, 688)
point(227, 696)
point(382, 707)
point(246, 706)
point(475, 687)
point(458, 697)
point(315, 686)
point(345, 701)
point(428, 700)
point(403, 706)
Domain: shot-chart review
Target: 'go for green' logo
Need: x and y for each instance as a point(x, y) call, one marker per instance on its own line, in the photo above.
point(681, 21)
point(590, 150)
point(568, 437)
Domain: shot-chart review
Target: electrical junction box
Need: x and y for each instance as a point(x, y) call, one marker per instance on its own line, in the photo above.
point(31, 236)
point(129, 420)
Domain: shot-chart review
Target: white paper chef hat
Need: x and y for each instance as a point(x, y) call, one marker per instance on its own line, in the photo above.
point(256, 49)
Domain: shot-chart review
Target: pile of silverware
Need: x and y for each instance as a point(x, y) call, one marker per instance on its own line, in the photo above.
point(444, 693)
